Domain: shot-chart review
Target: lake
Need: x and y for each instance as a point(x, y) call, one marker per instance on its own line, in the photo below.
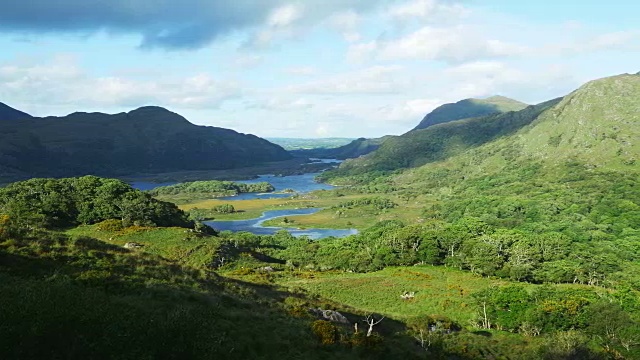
point(145, 185)
point(301, 184)
point(255, 225)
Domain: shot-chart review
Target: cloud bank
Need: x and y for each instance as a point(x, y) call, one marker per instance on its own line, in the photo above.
point(169, 24)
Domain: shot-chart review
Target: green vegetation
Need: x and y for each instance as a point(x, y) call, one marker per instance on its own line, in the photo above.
point(146, 140)
point(510, 236)
point(189, 191)
point(470, 108)
point(57, 203)
point(439, 142)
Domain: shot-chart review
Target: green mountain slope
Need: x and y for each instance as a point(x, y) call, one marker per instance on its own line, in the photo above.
point(599, 124)
point(441, 141)
point(146, 140)
point(469, 108)
point(354, 149)
point(595, 125)
point(9, 113)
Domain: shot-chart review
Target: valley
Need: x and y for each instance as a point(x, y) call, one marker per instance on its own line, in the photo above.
point(509, 234)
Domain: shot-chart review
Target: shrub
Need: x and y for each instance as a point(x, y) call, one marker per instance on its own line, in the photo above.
point(110, 225)
point(326, 331)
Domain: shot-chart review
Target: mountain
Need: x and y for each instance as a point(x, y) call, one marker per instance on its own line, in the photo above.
point(146, 140)
point(10, 114)
point(469, 108)
point(441, 141)
point(595, 126)
point(354, 149)
point(598, 124)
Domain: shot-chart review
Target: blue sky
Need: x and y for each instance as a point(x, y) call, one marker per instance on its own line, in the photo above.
point(305, 68)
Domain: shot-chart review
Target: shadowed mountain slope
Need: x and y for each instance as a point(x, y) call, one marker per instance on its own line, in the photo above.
point(146, 140)
point(9, 113)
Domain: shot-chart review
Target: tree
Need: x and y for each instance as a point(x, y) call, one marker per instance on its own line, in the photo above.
point(371, 321)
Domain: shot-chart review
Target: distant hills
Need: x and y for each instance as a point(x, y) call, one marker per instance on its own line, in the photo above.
point(309, 143)
point(470, 108)
point(463, 109)
point(440, 141)
point(7, 113)
point(596, 125)
point(354, 149)
point(145, 140)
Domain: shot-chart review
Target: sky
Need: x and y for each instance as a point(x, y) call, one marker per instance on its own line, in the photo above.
point(305, 68)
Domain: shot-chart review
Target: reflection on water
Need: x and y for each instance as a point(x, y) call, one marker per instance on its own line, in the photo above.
point(299, 183)
point(145, 185)
point(255, 225)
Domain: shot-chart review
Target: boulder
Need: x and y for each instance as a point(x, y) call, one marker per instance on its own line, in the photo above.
point(133, 245)
point(330, 315)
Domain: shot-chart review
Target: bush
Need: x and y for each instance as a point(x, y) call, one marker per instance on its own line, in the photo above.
point(327, 332)
point(110, 225)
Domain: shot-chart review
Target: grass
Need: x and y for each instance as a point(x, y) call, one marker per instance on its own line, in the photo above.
point(438, 290)
point(174, 244)
point(359, 217)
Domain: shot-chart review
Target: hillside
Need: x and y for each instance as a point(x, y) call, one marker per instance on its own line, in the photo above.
point(598, 124)
point(146, 140)
point(7, 113)
point(469, 108)
point(595, 125)
point(441, 141)
point(354, 149)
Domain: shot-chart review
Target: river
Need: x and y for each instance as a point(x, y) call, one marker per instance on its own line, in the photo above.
point(255, 225)
point(300, 184)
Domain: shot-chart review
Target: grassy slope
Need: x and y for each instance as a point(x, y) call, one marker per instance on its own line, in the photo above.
point(89, 299)
point(593, 126)
point(441, 141)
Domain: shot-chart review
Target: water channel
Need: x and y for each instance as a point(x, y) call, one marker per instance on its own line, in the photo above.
point(300, 184)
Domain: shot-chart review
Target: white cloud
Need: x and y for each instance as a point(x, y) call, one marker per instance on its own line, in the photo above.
point(451, 44)
point(248, 60)
point(301, 70)
point(487, 78)
point(347, 24)
point(372, 80)
point(281, 103)
point(428, 9)
point(63, 83)
point(619, 40)
point(284, 16)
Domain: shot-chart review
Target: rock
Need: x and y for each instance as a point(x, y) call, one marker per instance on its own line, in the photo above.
point(132, 245)
point(408, 295)
point(330, 315)
point(266, 269)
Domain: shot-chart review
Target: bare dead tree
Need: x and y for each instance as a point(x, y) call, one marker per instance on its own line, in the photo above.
point(371, 321)
point(425, 343)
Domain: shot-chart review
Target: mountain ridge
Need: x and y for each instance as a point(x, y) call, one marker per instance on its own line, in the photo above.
point(7, 113)
point(149, 139)
point(469, 108)
point(595, 126)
